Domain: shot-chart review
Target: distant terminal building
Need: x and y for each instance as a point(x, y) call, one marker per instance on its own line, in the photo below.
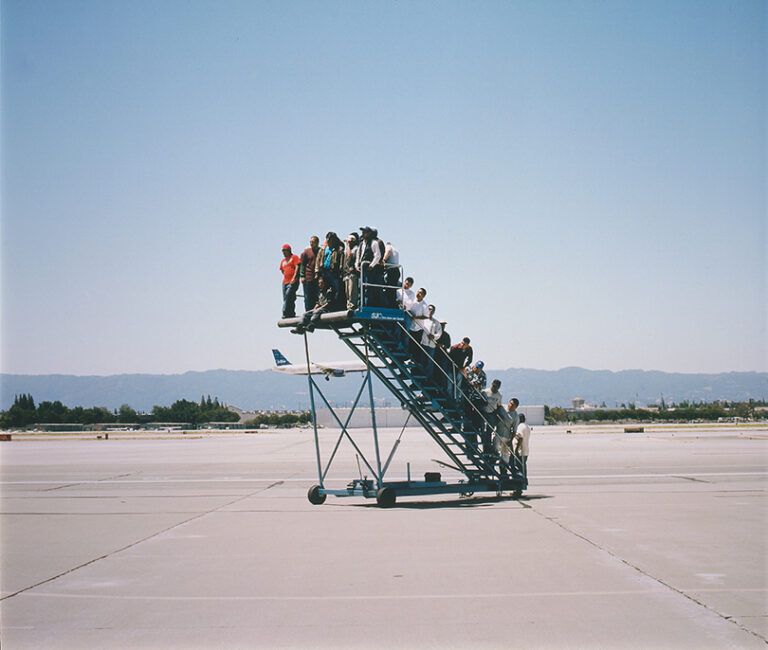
point(534, 415)
point(578, 404)
point(56, 427)
point(396, 417)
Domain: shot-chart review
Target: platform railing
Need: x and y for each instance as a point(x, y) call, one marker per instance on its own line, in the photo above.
point(364, 283)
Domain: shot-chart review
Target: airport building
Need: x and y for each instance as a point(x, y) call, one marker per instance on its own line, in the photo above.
point(396, 417)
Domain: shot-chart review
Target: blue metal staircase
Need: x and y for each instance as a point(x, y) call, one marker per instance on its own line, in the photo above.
point(446, 408)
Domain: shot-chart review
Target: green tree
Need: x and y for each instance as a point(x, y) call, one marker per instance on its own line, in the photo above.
point(742, 410)
point(127, 415)
point(21, 413)
point(557, 414)
point(97, 415)
point(52, 412)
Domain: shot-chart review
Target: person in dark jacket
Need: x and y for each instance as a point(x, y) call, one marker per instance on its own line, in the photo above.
point(369, 264)
point(442, 358)
point(461, 353)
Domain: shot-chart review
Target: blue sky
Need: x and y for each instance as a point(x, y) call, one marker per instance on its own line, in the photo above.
point(575, 183)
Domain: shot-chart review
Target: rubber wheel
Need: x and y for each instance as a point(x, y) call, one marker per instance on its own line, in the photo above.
point(517, 494)
point(314, 496)
point(385, 497)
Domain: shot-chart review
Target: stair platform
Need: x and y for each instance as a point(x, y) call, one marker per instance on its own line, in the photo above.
point(335, 318)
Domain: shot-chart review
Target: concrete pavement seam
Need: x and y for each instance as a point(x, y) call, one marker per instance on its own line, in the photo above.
point(107, 478)
point(137, 542)
point(648, 575)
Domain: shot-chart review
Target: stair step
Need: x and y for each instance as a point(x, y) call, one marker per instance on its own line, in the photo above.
point(428, 397)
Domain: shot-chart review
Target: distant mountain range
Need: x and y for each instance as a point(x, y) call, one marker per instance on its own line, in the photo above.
point(264, 389)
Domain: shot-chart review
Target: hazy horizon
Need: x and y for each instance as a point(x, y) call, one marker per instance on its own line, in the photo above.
point(488, 368)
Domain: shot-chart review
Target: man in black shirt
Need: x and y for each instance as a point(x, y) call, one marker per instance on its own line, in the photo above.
point(461, 353)
point(325, 302)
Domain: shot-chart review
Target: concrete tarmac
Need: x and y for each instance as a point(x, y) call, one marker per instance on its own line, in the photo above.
point(645, 540)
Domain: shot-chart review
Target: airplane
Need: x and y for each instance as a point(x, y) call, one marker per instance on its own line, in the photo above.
point(329, 369)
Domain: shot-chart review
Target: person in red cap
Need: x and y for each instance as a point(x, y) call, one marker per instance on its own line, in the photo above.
point(289, 267)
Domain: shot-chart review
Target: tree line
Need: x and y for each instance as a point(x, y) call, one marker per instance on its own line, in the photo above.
point(683, 412)
point(25, 412)
point(280, 419)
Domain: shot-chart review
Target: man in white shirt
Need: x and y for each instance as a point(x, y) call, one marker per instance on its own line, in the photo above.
point(492, 397)
point(522, 437)
point(391, 255)
point(504, 439)
point(432, 331)
point(405, 296)
point(419, 312)
point(492, 403)
point(506, 431)
point(391, 273)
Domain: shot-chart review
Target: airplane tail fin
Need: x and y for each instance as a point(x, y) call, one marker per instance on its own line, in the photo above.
point(280, 360)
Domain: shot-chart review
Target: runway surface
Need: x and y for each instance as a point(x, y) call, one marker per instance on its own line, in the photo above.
point(645, 540)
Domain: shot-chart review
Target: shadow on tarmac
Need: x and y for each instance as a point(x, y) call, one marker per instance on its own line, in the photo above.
point(471, 502)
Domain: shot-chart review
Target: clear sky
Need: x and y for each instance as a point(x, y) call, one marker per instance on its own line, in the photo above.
point(575, 183)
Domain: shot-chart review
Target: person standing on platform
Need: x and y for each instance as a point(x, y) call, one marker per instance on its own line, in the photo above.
point(367, 265)
point(476, 376)
point(512, 411)
point(504, 439)
point(405, 296)
point(492, 403)
point(289, 267)
point(307, 273)
point(506, 430)
point(461, 353)
point(430, 335)
point(522, 438)
point(391, 273)
point(442, 358)
point(473, 384)
point(378, 294)
point(330, 261)
point(419, 312)
point(351, 276)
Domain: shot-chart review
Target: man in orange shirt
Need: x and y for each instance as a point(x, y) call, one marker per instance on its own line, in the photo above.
point(289, 267)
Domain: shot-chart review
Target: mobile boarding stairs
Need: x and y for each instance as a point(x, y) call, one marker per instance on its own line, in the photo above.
point(447, 409)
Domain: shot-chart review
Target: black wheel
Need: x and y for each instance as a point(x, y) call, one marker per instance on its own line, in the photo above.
point(314, 496)
point(385, 497)
point(517, 494)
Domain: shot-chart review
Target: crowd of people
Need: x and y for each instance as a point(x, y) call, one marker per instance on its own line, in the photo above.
point(330, 277)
